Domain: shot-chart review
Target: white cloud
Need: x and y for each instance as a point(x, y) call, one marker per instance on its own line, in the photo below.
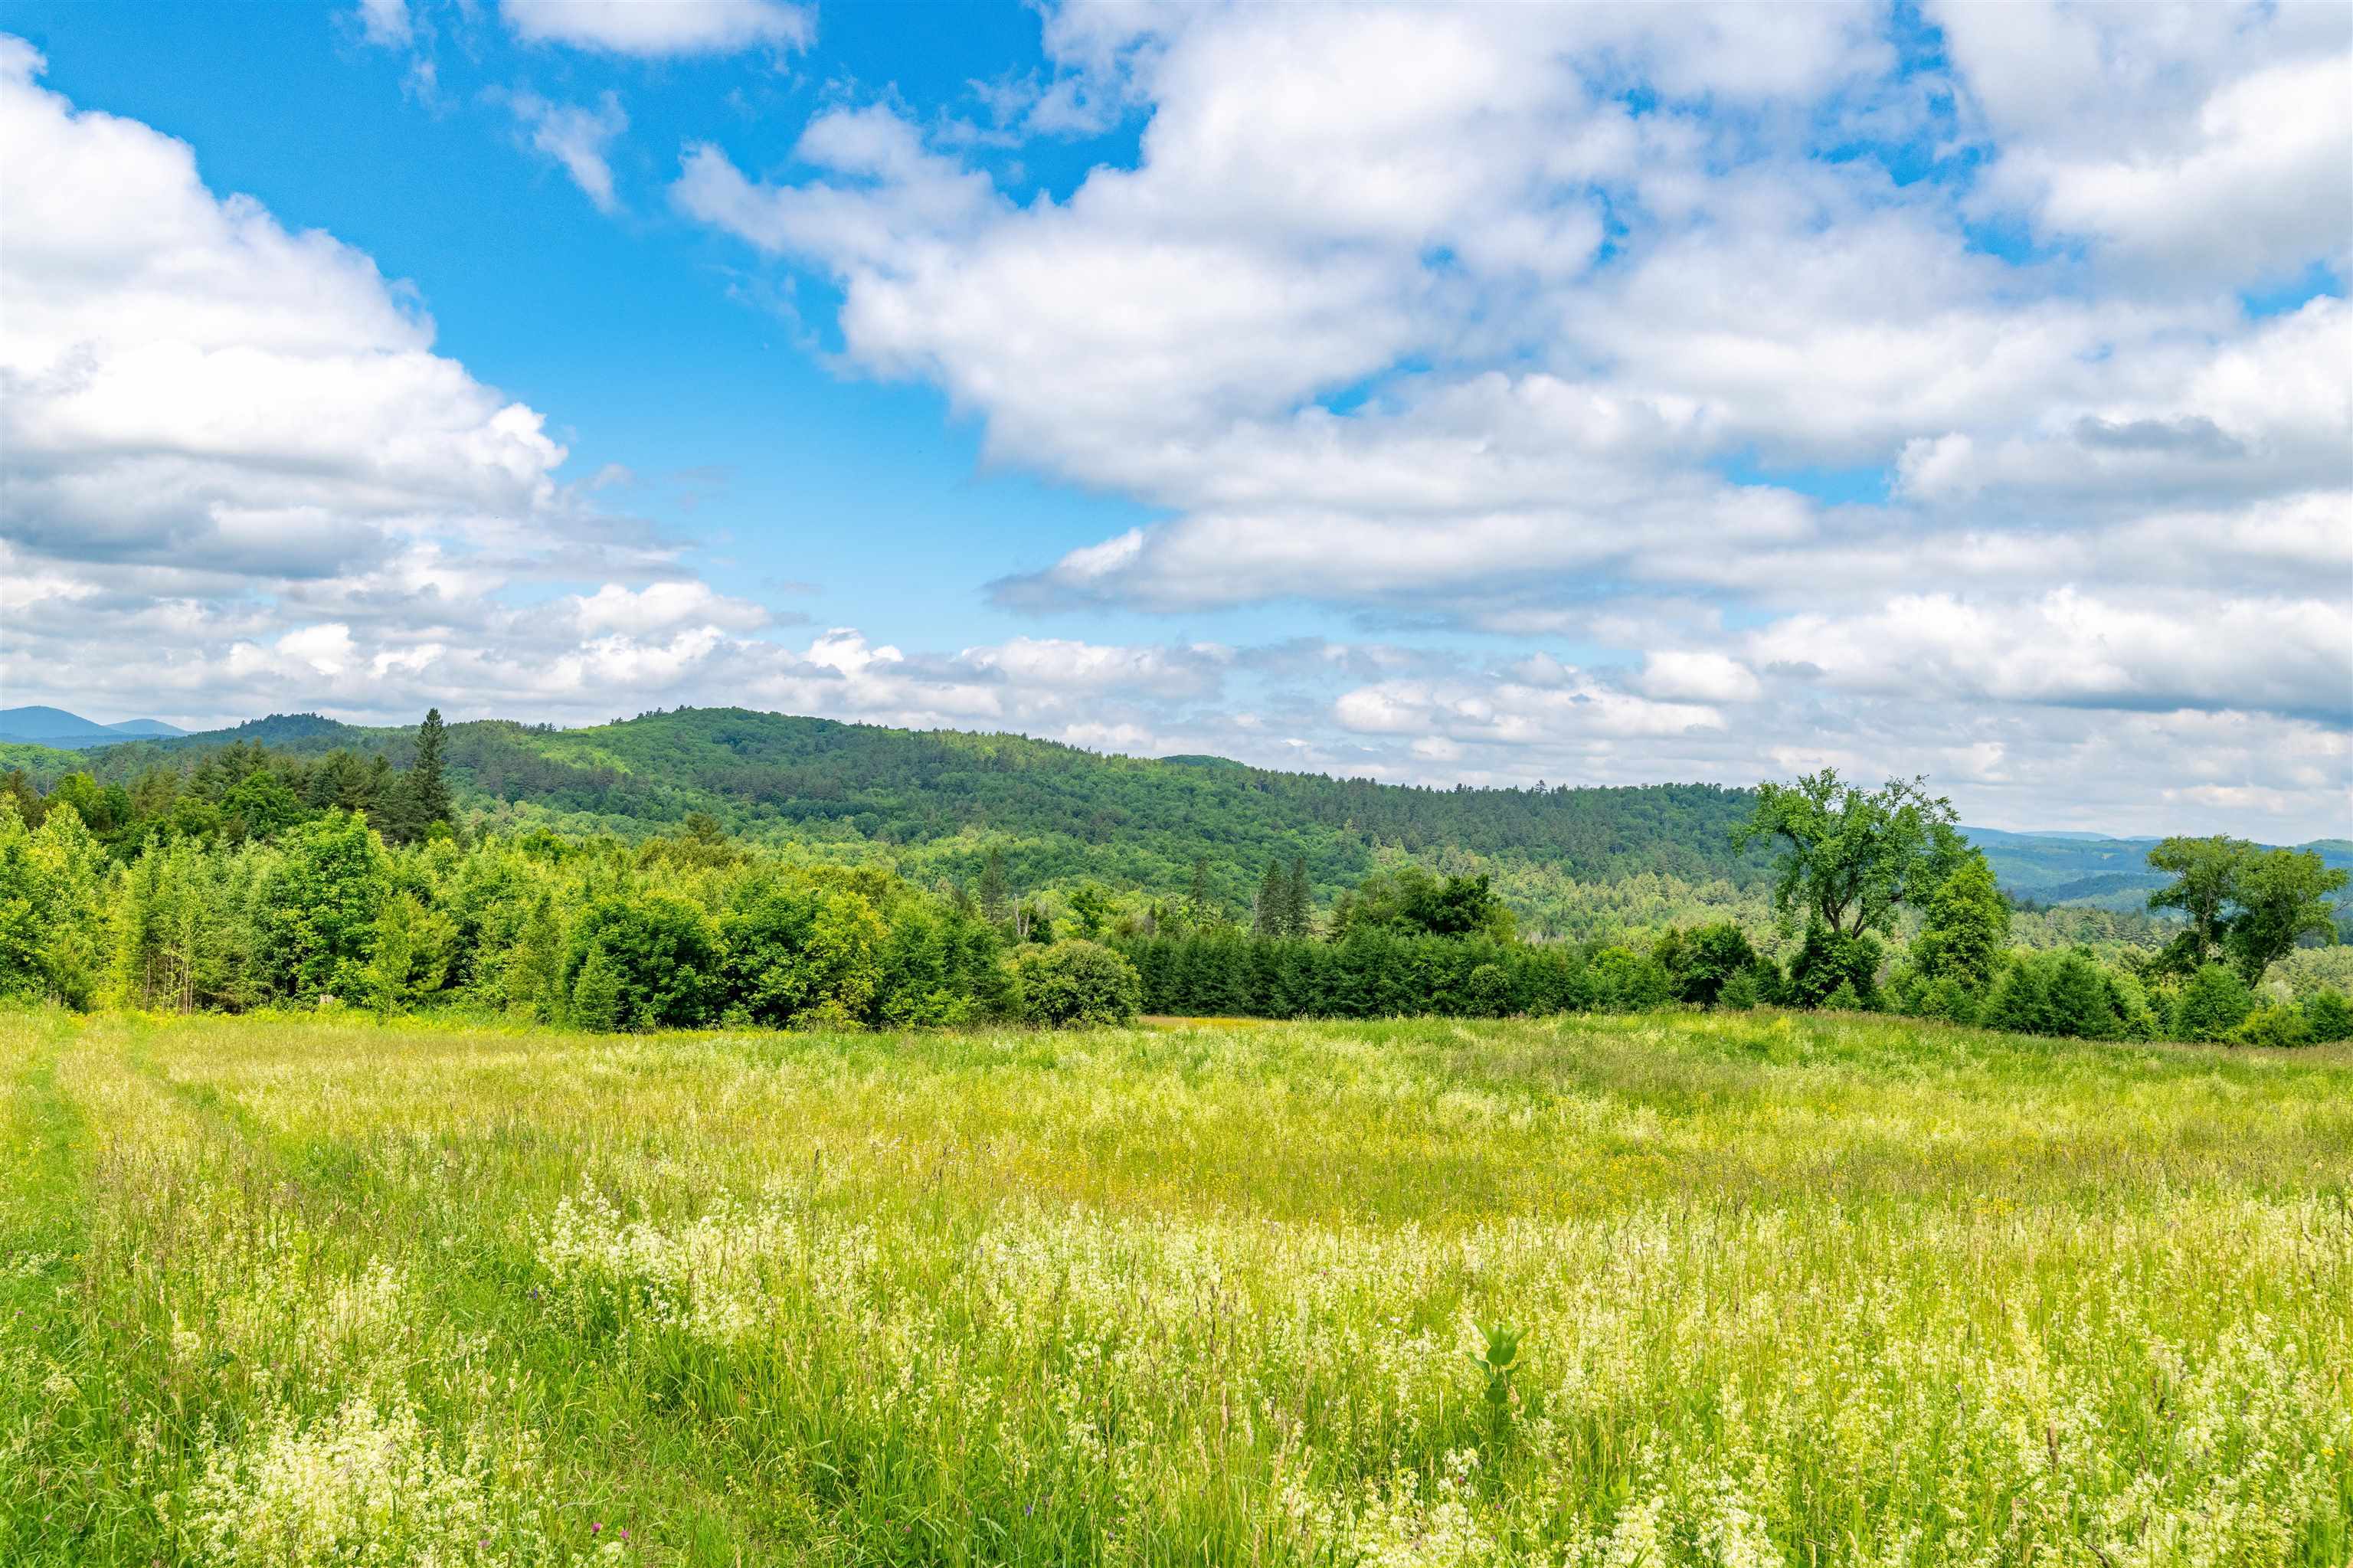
point(654, 28)
point(386, 23)
point(2206, 144)
point(1354, 320)
point(578, 138)
point(191, 385)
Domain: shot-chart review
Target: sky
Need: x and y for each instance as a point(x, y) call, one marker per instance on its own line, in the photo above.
point(1589, 394)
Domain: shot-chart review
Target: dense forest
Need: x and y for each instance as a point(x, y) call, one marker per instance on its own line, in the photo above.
point(935, 805)
point(313, 872)
point(1580, 864)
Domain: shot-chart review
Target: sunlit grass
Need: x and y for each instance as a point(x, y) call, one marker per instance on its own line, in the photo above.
point(1786, 1290)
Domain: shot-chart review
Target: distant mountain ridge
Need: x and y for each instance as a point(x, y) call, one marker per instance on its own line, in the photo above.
point(71, 732)
point(782, 778)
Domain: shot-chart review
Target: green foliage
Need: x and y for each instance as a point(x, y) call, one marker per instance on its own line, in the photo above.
point(2327, 1017)
point(2205, 884)
point(1966, 929)
point(1844, 999)
point(2214, 1002)
point(318, 906)
point(2254, 905)
point(1074, 982)
point(2076, 1000)
point(657, 955)
point(1741, 992)
point(52, 920)
point(1829, 959)
point(804, 952)
point(2282, 897)
point(1704, 963)
point(1413, 902)
point(2274, 1024)
point(1849, 858)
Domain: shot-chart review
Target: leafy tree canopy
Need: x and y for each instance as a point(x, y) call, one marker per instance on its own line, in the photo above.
point(1851, 857)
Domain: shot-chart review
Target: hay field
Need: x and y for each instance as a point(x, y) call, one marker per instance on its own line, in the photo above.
point(1803, 1290)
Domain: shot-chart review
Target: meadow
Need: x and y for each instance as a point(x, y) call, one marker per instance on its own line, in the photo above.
point(1676, 1288)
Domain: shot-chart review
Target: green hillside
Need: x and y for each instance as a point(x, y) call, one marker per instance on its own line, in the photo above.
point(933, 804)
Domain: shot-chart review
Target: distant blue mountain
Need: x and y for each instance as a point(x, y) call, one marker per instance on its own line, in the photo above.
point(2092, 868)
point(71, 732)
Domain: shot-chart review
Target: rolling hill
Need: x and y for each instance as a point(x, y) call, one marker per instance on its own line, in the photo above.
point(936, 802)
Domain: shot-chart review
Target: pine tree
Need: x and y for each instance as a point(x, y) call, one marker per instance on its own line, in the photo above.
point(427, 787)
point(1200, 899)
point(1272, 916)
point(994, 890)
point(1299, 906)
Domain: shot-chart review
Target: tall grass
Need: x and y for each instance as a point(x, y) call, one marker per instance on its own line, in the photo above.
point(1784, 1290)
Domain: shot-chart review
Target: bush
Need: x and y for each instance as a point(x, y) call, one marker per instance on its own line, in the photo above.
point(664, 961)
point(1827, 961)
point(2274, 1024)
point(2327, 1017)
point(1710, 960)
point(1487, 992)
point(1741, 992)
point(2214, 1002)
point(1074, 981)
point(1948, 998)
point(804, 952)
point(1628, 981)
point(1845, 999)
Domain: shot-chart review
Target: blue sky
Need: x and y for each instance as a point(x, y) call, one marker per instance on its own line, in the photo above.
point(1486, 394)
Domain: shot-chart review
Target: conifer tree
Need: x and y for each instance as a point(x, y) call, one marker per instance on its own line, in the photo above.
point(429, 792)
point(1299, 907)
point(994, 890)
point(1271, 916)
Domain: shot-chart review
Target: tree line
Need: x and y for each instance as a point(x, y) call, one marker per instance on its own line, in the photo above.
point(344, 881)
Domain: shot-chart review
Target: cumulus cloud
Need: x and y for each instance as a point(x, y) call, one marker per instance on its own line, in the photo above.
point(1589, 321)
point(654, 28)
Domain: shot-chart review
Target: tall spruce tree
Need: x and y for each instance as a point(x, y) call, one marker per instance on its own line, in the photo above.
point(1299, 903)
point(995, 891)
point(427, 791)
point(1272, 916)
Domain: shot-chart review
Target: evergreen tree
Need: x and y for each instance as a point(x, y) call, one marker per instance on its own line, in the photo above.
point(2076, 1000)
point(1299, 901)
point(1270, 916)
point(1200, 903)
point(424, 800)
point(995, 891)
point(2017, 1003)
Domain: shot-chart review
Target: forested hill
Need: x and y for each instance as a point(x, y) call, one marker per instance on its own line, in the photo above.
point(1058, 811)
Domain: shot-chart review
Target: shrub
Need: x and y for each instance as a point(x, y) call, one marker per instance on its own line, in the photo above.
point(2274, 1024)
point(2214, 1002)
point(1487, 992)
point(804, 952)
point(665, 962)
point(1948, 998)
point(1741, 992)
point(1845, 999)
point(1628, 981)
point(1074, 981)
point(2326, 1016)
point(1827, 961)
point(1711, 958)
point(2076, 1002)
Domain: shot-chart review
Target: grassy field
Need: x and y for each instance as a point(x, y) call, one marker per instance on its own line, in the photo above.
point(1785, 1290)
